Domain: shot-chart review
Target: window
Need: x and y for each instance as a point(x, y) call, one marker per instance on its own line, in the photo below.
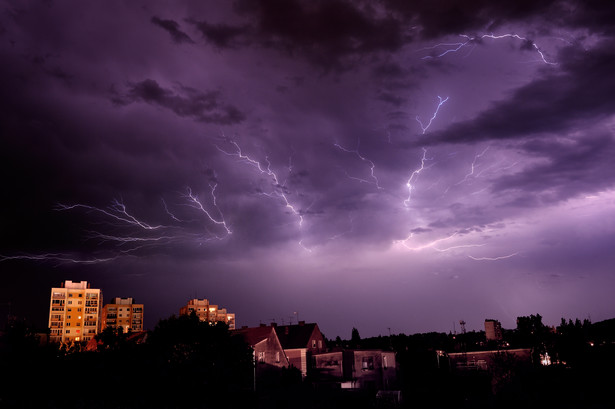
point(384, 362)
point(261, 356)
point(277, 356)
point(70, 302)
point(368, 362)
point(320, 344)
point(80, 295)
point(313, 343)
point(68, 331)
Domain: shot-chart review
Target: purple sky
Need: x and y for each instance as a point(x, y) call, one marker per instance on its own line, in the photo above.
point(277, 156)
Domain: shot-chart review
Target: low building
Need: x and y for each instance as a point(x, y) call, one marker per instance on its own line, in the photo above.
point(367, 369)
point(208, 312)
point(122, 313)
point(487, 360)
point(300, 342)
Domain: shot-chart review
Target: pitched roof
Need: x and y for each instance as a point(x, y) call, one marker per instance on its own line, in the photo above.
point(254, 335)
point(295, 336)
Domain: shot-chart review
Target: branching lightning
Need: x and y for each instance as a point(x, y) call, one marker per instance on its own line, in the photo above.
point(472, 166)
point(196, 203)
point(454, 47)
point(435, 114)
point(279, 189)
point(117, 207)
point(372, 166)
point(413, 178)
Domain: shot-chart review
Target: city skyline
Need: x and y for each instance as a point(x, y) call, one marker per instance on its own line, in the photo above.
point(379, 165)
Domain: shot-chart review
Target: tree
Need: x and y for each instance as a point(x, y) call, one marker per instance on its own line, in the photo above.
point(355, 338)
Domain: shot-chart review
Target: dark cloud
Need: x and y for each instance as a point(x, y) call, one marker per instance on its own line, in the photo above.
point(185, 102)
point(579, 89)
point(224, 35)
point(172, 27)
point(444, 17)
point(331, 34)
point(573, 166)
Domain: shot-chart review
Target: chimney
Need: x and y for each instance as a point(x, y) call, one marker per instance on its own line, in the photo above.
point(262, 325)
point(274, 324)
point(301, 323)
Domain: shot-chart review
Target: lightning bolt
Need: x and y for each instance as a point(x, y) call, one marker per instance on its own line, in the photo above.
point(434, 244)
point(493, 258)
point(413, 177)
point(454, 47)
point(196, 204)
point(278, 187)
point(309, 250)
point(372, 166)
point(435, 114)
point(472, 166)
point(431, 244)
point(117, 207)
point(61, 258)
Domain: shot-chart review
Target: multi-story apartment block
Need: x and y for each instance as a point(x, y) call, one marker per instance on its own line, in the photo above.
point(124, 313)
point(74, 312)
point(493, 330)
point(208, 312)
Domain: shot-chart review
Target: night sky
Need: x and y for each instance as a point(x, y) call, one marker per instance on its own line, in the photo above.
point(381, 165)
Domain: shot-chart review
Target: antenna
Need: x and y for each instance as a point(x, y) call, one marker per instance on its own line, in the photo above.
point(462, 324)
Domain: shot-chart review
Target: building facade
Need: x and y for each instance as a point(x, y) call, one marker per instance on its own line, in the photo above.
point(74, 312)
point(122, 313)
point(493, 330)
point(208, 312)
point(300, 342)
point(368, 369)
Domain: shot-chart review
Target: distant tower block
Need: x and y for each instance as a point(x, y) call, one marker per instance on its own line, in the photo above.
point(208, 312)
point(493, 330)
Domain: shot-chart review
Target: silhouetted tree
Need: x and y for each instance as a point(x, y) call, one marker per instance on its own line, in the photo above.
point(355, 338)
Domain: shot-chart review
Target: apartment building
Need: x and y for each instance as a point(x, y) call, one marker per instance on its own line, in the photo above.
point(122, 313)
point(74, 312)
point(208, 312)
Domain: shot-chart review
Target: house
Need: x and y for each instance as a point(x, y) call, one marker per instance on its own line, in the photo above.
point(300, 342)
point(370, 369)
point(268, 352)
